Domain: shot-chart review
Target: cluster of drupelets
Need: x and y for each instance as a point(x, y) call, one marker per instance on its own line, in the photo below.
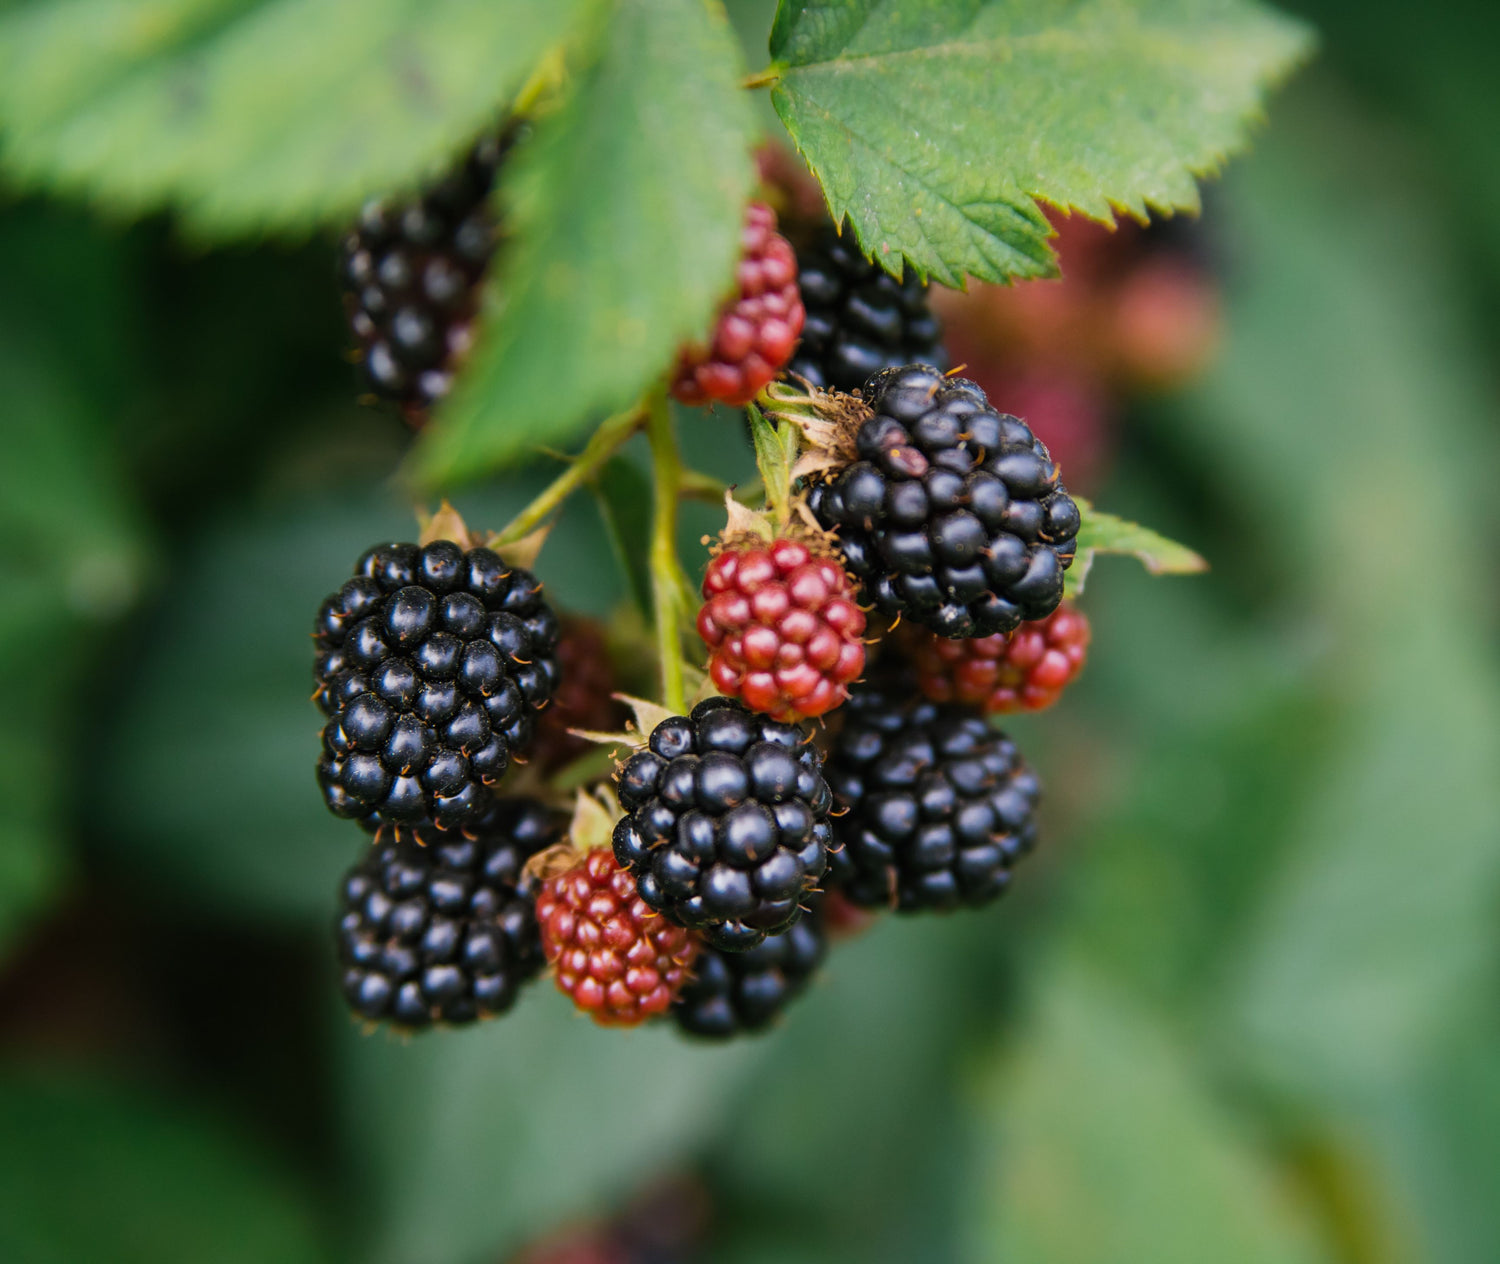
point(902, 583)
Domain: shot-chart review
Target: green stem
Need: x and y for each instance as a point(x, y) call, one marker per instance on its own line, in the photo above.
point(766, 78)
point(666, 570)
point(606, 441)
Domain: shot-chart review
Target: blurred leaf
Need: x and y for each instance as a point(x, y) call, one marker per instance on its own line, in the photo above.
point(91, 1171)
point(1104, 533)
point(1104, 1145)
point(470, 1142)
point(623, 494)
point(626, 214)
point(938, 127)
point(256, 114)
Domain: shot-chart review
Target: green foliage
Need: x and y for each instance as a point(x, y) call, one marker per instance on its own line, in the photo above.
point(626, 211)
point(100, 1171)
point(938, 127)
point(1105, 533)
point(257, 114)
point(776, 450)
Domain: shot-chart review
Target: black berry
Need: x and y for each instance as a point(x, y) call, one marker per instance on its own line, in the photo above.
point(952, 515)
point(732, 993)
point(432, 665)
point(441, 927)
point(726, 826)
point(859, 319)
point(937, 805)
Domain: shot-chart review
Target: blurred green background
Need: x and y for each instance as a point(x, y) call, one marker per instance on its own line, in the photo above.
point(1243, 1006)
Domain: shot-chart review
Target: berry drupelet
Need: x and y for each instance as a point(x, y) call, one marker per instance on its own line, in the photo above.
point(952, 514)
point(782, 628)
point(727, 828)
point(1025, 671)
point(937, 806)
point(440, 927)
point(860, 319)
point(735, 993)
point(411, 274)
point(432, 664)
point(617, 960)
point(756, 330)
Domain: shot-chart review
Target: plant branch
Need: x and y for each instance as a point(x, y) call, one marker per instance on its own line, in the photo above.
point(667, 580)
point(606, 441)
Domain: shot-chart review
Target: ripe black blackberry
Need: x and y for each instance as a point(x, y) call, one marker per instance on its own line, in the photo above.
point(860, 319)
point(733, 993)
point(937, 805)
point(411, 274)
point(441, 927)
point(726, 829)
point(432, 664)
point(952, 514)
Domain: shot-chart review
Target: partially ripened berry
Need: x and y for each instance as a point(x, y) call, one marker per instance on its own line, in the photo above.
point(1025, 671)
point(726, 826)
point(734, 993)
point(432, 664)
point(411, 273)
point(439, 927)
point(783, 632)
point(584, 698)
point(860, 319)
point(756, 330)
point(620, 962)
point(952, 516)
point(936, 805)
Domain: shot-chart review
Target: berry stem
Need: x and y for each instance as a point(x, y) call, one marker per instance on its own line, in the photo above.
point(668, 584)
point(611, 435)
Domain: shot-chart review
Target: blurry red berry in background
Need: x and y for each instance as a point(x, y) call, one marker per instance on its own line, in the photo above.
point(1166, 324)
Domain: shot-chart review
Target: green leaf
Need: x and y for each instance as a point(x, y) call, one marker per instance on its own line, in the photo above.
point(937, 127)
point(99, 1172)
point(776, 450)
point(626, 213)
point(1105, 533)
point(1103, 1145)
point(257, 114)
point(623, 494)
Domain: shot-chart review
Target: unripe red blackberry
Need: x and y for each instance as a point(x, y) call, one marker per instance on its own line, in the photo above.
point(756, 330)
point(1025, 671)
point(860, 319)
point(952, 515)
point(936, 805)
point(411, 273)
point(432, 664)
point(617, 960)
point(783, 631)
point(440, 927)
point(735, 993)
point(726, 829)
point(584, 698)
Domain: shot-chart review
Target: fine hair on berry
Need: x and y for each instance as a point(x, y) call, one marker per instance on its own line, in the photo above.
point(952, 515)
point(439, 927)
point(726, 827)
point(431, 666)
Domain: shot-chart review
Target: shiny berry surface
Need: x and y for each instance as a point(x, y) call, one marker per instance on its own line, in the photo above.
point(620, 962)
point(1026, 671)
point(756, 330)
point(726, 828)
point(440, 927)
point(782, 628)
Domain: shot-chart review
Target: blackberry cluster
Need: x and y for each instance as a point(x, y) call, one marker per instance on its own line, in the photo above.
point(726, 829)
point(732, 993)
point(859, 319)
point(431, 666)
point(440, 927)
point(952, 515)
point(937, 806)
point(411, 276)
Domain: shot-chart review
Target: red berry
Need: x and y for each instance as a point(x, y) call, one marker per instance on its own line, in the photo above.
point(1025, 671)
point(620, 962)
point(757, 329)
point(783, 631)
point(584, 698)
